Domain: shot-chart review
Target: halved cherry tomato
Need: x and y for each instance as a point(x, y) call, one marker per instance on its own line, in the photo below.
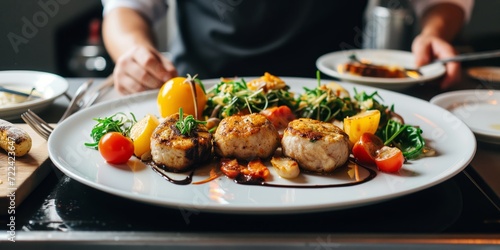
point(365, 149)
point(389, 159)
point(116, 148)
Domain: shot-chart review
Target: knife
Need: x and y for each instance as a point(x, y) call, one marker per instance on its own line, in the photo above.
point(75, 102)
point(470, 56)
point(100, 91)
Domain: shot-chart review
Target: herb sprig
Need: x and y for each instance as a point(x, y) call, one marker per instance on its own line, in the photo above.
point(119, 122)
point(186, 125)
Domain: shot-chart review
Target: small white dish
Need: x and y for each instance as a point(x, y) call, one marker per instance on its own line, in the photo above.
point(448, 135)
point(48, 87)
point(328, 64)
point(478, 108)
point(488, 74)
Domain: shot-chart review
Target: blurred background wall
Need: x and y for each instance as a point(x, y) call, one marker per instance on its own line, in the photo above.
point(49, 35)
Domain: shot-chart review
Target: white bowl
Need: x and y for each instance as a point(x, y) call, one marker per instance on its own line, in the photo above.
point(48, 87)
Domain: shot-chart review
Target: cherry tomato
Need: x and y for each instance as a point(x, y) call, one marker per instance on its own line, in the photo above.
point(116, 148)
point(176, 93)
point(365, 149)
point(389, 159)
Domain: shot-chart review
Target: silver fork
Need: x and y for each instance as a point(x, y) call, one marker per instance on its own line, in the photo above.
point(42, 127)
point(37, 124)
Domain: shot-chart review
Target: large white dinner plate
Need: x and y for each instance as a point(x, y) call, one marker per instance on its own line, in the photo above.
point(48, 86)
point(478, 108)
point(452, 139)
point(328, 65)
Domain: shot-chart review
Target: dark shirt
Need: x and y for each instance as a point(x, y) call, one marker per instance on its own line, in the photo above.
point(249, 37)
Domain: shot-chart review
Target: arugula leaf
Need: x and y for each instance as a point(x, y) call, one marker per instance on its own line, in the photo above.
point(405, 137)
point(118, 122)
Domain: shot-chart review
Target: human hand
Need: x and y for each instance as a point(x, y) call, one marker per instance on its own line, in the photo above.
point(426, 48)
point(142, 68)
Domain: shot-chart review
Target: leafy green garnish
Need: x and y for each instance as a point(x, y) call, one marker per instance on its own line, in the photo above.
point(233, 97)
point(186, 125)
point(118, 122)
point(322, 104)
point(406, 137)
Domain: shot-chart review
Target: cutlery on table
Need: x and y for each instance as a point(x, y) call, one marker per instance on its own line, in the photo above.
point(44, 129)
point(106, 86)
point(75, 102)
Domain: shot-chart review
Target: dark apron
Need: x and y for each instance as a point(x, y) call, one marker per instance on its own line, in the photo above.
point(249, 37)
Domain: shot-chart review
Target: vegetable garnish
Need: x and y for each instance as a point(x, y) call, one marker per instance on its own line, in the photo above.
point(118, 122)
point(213, 175)
point(322, 104)
point(231, 97)
point(188, 124)
point(406, 137)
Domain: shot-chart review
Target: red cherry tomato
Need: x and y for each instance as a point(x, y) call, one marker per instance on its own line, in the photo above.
point(116, 148)
point(389, 159)
point(365, 149)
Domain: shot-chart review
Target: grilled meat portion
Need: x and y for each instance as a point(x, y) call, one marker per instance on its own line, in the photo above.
point(177, 152)
point(246, 137)
point(317, 146)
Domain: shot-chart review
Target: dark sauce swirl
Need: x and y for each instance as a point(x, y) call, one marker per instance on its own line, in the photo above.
point(161, 172)
point(245, 180)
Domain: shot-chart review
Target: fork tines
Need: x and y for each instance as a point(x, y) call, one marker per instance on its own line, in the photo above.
point(37, 124)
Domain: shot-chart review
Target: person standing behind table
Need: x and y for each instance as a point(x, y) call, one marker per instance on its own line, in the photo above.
point(244, 38)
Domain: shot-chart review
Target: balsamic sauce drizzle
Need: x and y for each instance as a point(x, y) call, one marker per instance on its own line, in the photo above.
point(185, 181)
point(241, 179)
point(244, 180)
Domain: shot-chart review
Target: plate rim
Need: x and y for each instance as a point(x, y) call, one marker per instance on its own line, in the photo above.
point(260, 210)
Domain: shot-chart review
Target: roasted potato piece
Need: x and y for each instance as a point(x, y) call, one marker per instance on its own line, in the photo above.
point(14, 139)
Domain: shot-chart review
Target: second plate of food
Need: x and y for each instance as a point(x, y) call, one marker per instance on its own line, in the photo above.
point(389, 60)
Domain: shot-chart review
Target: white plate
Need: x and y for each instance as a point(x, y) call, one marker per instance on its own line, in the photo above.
point(48, 86)
point(478, 108)
point(487, 74)
point(452, 139)
point(328, 65)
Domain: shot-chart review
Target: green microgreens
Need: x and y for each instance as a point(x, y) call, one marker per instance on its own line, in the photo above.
point(118, 122)
point(186, 125)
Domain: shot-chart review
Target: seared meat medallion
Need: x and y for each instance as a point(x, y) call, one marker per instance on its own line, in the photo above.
point(317, 146)
point(177, 152)
point(246, 137)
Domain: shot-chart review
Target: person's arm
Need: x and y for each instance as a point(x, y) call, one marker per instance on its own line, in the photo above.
point(440, 24)
point(124, 28)
point(129, 41)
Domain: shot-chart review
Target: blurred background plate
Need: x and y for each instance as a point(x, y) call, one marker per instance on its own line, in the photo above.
point(487, 75)
point(478, 108)
point(47, 86)
point(328, 64)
